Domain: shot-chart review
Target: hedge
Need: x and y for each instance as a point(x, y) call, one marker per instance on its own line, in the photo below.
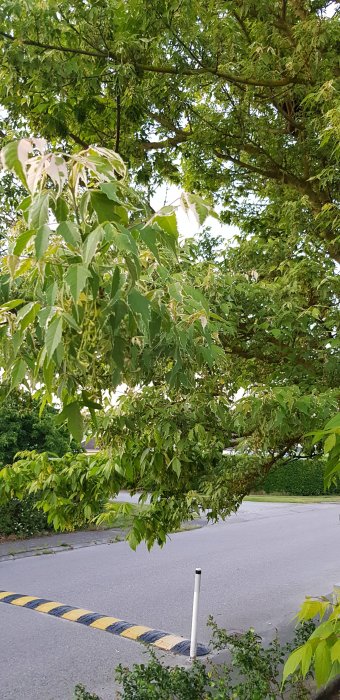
point(21, 519)
point(298, 477)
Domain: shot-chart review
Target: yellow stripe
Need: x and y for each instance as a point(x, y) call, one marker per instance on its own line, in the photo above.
point(167, 642)
point(135, 631)
point(4, 594)
point(104, 622)
point(75, 614)
point(46, 607)
point(25, 599)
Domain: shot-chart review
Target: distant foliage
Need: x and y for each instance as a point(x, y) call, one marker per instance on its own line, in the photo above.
point(298, 477)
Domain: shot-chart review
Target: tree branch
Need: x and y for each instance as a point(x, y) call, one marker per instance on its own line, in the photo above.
point(166, 70)
point(157, 145)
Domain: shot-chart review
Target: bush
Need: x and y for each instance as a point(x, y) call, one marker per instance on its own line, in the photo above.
point(253, 674)
point(21, 519)
point(298, 477)
point(22, 428)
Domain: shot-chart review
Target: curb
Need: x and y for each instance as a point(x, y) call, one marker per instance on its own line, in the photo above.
point(139, 633)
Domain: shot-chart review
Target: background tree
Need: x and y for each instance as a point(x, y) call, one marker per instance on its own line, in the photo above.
point(236, 99)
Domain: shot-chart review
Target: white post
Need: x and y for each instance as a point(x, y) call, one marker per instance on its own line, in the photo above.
point(193, 639)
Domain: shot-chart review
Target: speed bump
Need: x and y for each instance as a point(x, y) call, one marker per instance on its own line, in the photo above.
point(140, 633)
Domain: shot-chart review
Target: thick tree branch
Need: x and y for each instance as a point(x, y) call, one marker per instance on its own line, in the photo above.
point(170, 142)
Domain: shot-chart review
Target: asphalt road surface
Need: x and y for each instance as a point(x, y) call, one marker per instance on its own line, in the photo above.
point(256, 569)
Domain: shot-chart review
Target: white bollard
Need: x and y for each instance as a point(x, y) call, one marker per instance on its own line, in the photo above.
point(193, 638)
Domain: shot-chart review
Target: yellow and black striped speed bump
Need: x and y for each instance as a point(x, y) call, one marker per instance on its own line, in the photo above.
point(139, 633)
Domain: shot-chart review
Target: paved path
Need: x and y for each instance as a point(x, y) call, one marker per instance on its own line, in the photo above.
point(256, 569)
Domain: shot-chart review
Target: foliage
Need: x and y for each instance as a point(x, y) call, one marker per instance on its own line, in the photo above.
point(330, 435)
point(23, 428)
point(253, 673)
point(321, 651)
point(21, 518)
point(297, 477)
point(237, 99)
point(106, 294)
point(80, 693)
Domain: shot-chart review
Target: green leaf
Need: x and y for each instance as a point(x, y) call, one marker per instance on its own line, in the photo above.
point(14, 157)
point(103, 207)
point(53, 336)
point(75, 420)
point(110, 189)
point(76, 278)
point(306, 659)
point(22, 241)
point(168, 223)
point(176, 466)
point(149, 236)
point(330, 442)
point(116, 281)
point(41, 240)
point(38, 211)
point(11, 304)
point(322, 663)
point(27, 314)
point(70, 233)
point(335, 651)
point(333, 422)
point(140, 305)
point(91, 242)
point(18, 372)
point(61, 209)
point(71, 322)
point(293, 662)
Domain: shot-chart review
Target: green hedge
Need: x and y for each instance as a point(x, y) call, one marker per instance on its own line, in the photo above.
point(299, 477)
point(20, 518)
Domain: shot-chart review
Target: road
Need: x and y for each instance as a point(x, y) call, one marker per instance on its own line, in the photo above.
point(256, 569)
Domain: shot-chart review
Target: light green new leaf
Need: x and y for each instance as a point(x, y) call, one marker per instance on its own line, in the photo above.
point(76, 278)
point(110, 189)
point(41, 240)
point(330, 442)
point(70, 233)
point(322, 662)
point(90, 245)
point(335, 651)
point(53, 335)
point(293, 662)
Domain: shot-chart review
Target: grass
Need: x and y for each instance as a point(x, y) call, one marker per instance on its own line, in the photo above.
point(274, 498)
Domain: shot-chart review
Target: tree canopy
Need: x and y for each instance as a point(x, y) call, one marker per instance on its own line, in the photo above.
point(232, 98)
point(230, 355)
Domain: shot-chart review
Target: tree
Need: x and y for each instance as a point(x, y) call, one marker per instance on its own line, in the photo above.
point(107, 295)
point(22, 428)
point(236, 99)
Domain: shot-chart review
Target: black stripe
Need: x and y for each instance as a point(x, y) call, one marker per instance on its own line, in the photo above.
point(60, 610)
point(34, 603)
point(10, 598)
point(89, 618)
point(151, 636)
point(119, 627)
point(181, 648)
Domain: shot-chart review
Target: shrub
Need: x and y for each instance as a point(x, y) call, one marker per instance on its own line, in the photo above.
point(20, 518)
point(253, 674)
point(298, 477)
